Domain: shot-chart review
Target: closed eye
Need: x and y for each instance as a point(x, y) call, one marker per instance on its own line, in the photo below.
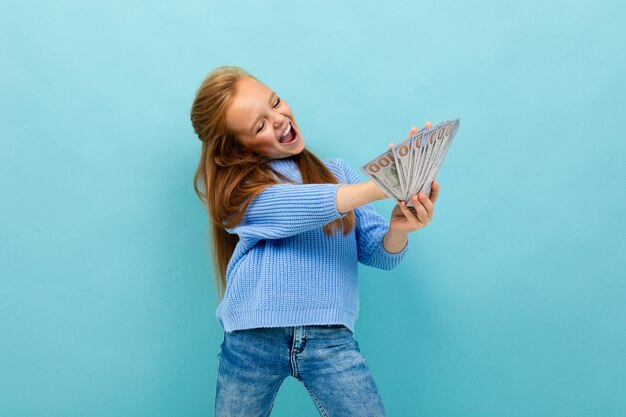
point(263, 124)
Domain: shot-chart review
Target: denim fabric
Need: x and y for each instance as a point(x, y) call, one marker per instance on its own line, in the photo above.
point(326, 359)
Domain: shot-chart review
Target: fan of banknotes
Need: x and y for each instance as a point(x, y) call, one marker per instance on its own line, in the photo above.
point(411, 165)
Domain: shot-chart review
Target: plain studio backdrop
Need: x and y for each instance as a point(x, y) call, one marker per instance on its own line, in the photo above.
point(512, 302)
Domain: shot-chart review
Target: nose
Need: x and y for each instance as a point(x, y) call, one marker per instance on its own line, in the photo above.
point(279, 120)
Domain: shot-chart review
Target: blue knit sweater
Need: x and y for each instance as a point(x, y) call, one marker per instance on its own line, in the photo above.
point(285, 271)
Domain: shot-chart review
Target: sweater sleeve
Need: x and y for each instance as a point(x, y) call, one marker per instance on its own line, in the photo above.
point(371, 227)
point(283, 210)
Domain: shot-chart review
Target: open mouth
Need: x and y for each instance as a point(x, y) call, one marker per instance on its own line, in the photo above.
point(289, 136)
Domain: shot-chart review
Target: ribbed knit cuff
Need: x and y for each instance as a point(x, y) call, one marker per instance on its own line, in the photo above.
point(332, 202)
point(387, 260)
point(338, 215)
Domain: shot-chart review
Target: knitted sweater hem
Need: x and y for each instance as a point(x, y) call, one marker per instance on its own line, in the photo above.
point(241, 320)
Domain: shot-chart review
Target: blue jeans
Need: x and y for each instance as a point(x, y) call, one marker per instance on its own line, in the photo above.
point(326, 359)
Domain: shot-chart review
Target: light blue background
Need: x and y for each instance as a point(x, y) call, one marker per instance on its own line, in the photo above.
point(512, 301)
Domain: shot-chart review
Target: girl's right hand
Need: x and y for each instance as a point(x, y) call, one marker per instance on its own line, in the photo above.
point(351, 196)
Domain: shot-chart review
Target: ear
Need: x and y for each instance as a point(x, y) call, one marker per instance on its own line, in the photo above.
point(236, 147)
point(243, 151)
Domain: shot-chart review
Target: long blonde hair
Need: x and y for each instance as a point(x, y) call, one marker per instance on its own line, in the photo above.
point(228, 177)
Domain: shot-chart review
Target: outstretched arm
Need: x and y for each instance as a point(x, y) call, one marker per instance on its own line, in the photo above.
point(284, 210)
point(351, 196)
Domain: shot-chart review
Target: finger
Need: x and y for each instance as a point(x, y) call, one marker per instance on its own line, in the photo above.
point(428, 125)
point(428, 205)
point(421, 212)
point(408, 213)
point(434, 191)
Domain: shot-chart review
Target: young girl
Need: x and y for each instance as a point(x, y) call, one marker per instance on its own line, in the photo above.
point(288, 231)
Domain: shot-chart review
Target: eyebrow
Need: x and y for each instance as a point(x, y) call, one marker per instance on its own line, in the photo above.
point(257, 119)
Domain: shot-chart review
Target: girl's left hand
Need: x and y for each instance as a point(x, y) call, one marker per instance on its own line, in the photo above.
point(405, 219)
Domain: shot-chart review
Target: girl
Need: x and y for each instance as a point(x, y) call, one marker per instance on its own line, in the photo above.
point(288, 231)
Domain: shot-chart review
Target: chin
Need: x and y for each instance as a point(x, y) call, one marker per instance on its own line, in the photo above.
point(297, 149)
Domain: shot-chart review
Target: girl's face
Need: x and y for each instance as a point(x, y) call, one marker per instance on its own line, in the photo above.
point(263, 122)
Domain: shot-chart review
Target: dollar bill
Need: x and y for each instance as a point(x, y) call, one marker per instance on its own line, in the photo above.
point(411, 165)
point(383, 171)
point(449, 132)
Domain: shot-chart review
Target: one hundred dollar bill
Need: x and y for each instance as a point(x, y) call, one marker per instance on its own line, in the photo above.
point(411, 165)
